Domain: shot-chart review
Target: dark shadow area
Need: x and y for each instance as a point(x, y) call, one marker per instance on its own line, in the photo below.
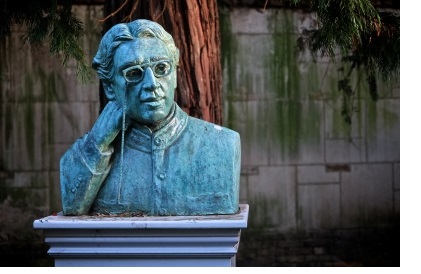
point(24, 255)
point(378, 247)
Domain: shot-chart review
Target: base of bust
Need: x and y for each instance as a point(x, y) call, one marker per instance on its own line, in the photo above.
point(211, 240)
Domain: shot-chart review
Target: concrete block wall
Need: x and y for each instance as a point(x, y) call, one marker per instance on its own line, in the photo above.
point(303, 168)
point(44, 108)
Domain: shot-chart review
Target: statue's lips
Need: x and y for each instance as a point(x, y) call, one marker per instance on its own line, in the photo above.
point(154, 102)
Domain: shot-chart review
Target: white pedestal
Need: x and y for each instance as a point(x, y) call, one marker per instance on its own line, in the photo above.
point(144, 241)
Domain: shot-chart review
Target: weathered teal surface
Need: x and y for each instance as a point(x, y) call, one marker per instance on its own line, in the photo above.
point(164, 162)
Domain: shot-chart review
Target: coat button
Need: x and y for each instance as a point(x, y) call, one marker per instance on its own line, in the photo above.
point(158, 141)
point(78, 181)
point(73, 190)
point(162, 176)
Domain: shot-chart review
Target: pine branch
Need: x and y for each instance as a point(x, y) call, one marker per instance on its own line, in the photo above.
point(367, 39)
point(45, 21)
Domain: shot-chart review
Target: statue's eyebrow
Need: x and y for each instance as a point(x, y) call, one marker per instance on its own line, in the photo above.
point(134, 63)
point(127, 65)
point(159, 58)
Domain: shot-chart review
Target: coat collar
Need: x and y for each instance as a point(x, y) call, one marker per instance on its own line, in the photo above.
point(165, 134)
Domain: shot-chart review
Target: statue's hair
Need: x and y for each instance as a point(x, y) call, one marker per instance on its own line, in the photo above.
point(123, 32)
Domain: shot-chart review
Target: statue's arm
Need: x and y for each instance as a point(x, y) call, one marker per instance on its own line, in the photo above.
point(84, 167)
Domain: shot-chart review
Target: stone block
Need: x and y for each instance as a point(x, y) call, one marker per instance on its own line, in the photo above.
point(318, 80)
point(80, 93)
point(397, 176)
point(27, 137)
point(248, 76)
point(257, 21)
point(36, 75)
point(243, 189)
point(396, 91)
point(56, 152)
point(336, 127)
point(72, 120)
point(31, 179)
point(249, 170)
point(245, 117)
point(345, 151)
point(316, 174)
point(40, 77)
point(248, 21)
point(55, 191)
point(319, 206)
point(295, 132)
point(272, 197)
point(383, 130)
point(367, 195)
point(21, 179)
point(40, 198)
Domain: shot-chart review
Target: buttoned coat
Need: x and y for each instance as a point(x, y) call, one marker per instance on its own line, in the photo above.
point(185, 167)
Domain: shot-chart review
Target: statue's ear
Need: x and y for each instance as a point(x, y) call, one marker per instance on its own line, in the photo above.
point(109, 91)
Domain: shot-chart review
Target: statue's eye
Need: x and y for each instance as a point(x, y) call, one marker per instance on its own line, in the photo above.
point(134, 74)
point(162, 69)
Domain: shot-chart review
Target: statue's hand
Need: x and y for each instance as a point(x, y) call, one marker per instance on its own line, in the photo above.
point(108, 125)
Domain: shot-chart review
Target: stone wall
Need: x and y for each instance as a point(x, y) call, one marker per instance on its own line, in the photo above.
point(44, 108)
point(303, 168)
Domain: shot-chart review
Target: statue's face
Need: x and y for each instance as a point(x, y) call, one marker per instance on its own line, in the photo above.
point(145, 65)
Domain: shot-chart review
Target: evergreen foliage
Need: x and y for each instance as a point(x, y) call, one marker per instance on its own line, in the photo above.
point(366, 38)
point(47, 21)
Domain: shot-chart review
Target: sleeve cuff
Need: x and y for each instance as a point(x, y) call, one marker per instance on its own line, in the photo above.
point(95, 159)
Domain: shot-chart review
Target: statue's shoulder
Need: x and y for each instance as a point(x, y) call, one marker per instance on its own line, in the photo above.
point(210, 129)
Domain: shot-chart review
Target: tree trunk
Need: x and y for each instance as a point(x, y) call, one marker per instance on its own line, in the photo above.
point(194, 25)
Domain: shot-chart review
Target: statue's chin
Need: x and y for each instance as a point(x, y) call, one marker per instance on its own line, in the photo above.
point(150, 121)
point(151, 117)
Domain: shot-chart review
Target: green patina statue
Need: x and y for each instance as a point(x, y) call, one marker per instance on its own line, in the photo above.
point(144, 154)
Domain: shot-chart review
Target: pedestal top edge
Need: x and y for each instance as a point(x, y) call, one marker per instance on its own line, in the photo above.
point(236, 221)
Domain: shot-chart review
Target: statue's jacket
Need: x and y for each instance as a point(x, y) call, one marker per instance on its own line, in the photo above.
point(185, 167)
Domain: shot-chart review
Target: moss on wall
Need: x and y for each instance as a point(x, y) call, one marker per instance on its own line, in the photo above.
point(262, 211)
point(286, 106)
point(28, 127)
point(228, 48)
point(288, 114)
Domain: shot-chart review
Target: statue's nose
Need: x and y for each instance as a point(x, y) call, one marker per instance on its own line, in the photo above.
point(149, 80)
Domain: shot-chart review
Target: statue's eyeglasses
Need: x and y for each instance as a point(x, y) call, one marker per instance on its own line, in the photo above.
point(136, 73)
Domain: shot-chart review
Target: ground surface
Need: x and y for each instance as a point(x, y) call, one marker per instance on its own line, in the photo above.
point(372, 247)
point(378, 247)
